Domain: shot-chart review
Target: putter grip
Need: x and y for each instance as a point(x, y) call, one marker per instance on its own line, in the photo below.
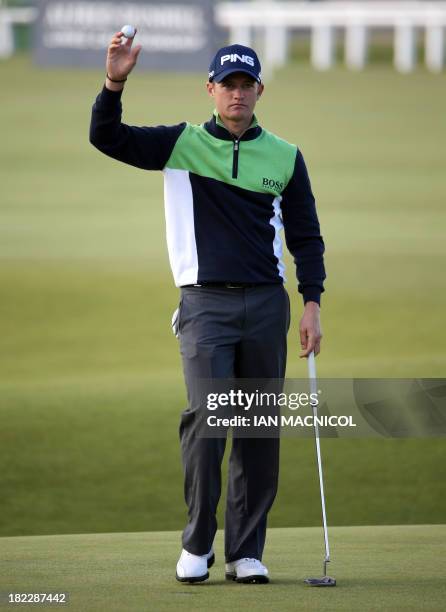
point(312, 372)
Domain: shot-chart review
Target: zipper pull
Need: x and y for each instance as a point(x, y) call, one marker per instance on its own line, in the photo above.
point(235, 158)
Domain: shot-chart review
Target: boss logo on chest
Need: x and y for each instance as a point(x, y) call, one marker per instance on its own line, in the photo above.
point(272, 184)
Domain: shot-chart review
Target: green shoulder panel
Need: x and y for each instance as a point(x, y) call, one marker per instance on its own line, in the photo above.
point(266, 163)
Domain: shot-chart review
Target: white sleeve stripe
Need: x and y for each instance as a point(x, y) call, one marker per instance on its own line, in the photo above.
point(180, 227)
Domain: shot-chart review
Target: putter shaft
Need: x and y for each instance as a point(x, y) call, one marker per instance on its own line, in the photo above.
point(313, 389)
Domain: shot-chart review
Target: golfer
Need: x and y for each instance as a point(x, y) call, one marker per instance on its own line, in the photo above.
point(230, 188)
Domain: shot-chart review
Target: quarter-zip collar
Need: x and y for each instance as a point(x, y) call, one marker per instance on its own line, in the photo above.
point(217, 128)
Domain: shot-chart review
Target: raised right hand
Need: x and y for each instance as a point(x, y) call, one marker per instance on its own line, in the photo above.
point(121, 58)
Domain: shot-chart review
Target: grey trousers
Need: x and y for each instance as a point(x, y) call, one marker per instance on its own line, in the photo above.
point(230, 333)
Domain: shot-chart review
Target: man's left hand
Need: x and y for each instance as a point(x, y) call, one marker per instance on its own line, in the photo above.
point(310, 330)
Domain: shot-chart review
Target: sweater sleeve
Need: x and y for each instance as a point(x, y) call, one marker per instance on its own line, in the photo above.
point(302, 232)
point(148, 148)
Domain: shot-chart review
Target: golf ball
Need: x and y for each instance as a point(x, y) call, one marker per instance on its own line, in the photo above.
point(128, 31)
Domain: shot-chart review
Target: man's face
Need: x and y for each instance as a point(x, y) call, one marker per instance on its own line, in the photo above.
point(236, 96)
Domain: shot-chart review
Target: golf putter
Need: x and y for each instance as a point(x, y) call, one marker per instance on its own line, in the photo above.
point(325, 580)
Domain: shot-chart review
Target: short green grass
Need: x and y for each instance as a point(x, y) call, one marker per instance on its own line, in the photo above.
point(377, 568)
point(76, 225)
point(91, 386)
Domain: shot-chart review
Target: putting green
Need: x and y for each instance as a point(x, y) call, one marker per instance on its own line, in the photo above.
point(377, 568)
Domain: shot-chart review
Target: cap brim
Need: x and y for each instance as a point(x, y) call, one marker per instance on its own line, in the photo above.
point(222, 75)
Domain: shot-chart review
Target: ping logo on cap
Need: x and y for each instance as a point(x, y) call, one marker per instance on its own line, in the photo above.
point(234, 57)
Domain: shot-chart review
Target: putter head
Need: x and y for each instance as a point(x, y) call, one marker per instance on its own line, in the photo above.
point(325, 581)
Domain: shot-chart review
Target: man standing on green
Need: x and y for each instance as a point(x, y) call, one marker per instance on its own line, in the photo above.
point(230, 187)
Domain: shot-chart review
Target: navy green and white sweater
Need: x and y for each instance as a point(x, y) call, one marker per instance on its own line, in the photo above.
point(226, 199)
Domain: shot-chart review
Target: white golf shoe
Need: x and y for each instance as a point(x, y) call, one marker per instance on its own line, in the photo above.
point(194, 568)
point(247, 570)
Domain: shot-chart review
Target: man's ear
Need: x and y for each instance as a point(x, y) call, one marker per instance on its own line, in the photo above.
point(260, 90)
point(210, 88)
